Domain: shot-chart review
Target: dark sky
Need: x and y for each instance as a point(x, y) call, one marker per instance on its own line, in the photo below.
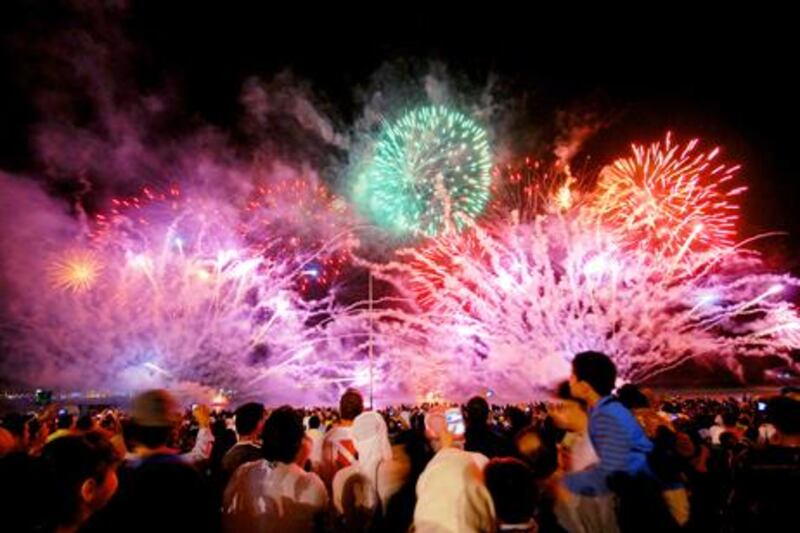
point(726, 74)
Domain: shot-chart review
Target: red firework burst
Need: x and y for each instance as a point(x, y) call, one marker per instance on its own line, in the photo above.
point(671, 198)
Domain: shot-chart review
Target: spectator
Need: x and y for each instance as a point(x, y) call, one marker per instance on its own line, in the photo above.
point(249, 422)
point(7, 442)
point(617, 437)
point(83, 478)
point(204, 441)
point(728, 425)
point(17, 426)
point(274, 494)
point(25, 494)
point(85, 423)
point(317, 437)
point(638, 403)
point(338, 448)
point(157, 486)
point(356, 494)
point(511, 484)
point(65, 425)
point(478, 436)
point(580, 514)
point(767, 484)
point(411, 455)
point(569, 413)
point(451, 496)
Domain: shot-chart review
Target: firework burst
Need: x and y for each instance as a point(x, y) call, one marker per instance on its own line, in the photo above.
point(430, 173)
point(512, 312)
point(75, 270)
point(671, 198)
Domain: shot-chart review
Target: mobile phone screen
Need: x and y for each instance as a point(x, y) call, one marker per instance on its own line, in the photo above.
point(455, 421)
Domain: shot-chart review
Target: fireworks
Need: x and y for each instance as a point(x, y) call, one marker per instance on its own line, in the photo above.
point(513, 312)
point(181, 299)
point(430, 173)
point(523, 191)
point(187, 285)
point(670, 198)
point(298, 219)
point(75, 270)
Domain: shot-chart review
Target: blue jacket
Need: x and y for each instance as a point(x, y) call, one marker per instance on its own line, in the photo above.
point(620, 444)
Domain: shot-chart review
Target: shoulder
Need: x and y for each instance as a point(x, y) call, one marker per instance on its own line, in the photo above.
point(310, 486)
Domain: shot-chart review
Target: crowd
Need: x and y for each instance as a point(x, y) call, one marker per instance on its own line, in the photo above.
point(590, 459)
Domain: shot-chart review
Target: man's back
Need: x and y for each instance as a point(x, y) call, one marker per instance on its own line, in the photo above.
point(621, 446)
point(239, 454)
point(157, 493)
point(338, 451)
point(266, 497)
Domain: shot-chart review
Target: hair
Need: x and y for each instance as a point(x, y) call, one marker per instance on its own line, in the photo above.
point(477, 411)
point(150, 436)
point(64, 421)
point(84, 423)
point(34, 427)
point(784, 413)
point(313, 422)
point(351, 405)
point(563, 393)
point(511, 484)
point(282, 435)
point(729, 418)
point(15, 423)
point(418, 449)
point(596, 369)
point(538, 450)
point(247, 417)
point(631, 397)
point(70, 461)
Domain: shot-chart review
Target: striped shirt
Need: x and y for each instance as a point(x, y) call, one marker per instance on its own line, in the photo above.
point(620, 443)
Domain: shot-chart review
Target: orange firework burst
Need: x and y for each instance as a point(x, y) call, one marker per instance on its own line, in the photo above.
point(671, 198)
point(75, 271)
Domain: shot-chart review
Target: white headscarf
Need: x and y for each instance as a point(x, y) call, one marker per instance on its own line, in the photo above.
point(451, 496)
point(371, 438)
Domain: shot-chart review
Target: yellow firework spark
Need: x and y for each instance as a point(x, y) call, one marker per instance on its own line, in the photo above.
point(75, 270)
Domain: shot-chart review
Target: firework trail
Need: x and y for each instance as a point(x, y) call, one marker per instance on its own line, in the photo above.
point(512, 312)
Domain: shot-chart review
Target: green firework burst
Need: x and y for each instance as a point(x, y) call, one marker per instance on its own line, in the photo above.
point(429, 173)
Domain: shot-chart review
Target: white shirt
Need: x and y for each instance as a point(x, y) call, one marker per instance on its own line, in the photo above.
point(766, 432)
point(338, 451)
point(317, 437)
point(273, 497)
point(582, 454)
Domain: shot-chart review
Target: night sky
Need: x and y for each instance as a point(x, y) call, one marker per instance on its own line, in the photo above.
point(726, 75)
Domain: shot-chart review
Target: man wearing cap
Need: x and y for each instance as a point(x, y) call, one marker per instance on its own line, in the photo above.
point(159, 490)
